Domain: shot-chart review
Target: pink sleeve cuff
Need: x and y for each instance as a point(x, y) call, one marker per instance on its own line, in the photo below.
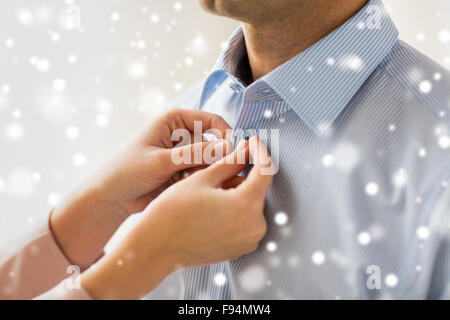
point(34, 265)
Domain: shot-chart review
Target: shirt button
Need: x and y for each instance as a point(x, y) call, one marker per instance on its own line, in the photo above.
point(235, 87)
point(247, 134)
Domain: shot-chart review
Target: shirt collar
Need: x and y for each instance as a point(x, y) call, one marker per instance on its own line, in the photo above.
point(319, 82)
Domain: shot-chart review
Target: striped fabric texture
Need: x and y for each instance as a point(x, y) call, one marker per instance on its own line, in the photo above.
point(360, 207)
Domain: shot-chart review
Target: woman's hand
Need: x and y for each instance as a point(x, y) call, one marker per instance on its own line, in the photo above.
point(195, 222)
point(127, 184)
point(136, 174)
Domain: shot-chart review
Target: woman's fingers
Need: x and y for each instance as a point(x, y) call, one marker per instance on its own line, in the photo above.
point(224, 172)
point(228, 167)
point(261, 175)
point(185, 119)
point(233, 182)
point(197, 154)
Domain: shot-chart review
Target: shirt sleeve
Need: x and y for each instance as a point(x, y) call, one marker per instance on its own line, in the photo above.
point(35, 264)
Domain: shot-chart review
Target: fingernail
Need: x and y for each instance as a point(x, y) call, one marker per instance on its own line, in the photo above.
point(242, 145)
point(217, 143)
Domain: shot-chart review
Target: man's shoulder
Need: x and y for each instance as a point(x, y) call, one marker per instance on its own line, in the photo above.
point(190, 97)
point(419, 75)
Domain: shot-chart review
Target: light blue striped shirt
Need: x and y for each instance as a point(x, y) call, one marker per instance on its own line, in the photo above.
point(359, 208)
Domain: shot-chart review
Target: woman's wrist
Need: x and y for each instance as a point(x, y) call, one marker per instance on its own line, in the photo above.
point(122, 274)
point(83, 224)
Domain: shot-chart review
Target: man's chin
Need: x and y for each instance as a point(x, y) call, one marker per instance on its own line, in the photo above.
point(226, 8)
point(209, 5)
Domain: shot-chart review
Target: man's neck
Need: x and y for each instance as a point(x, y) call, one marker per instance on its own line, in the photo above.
point(270, 43)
